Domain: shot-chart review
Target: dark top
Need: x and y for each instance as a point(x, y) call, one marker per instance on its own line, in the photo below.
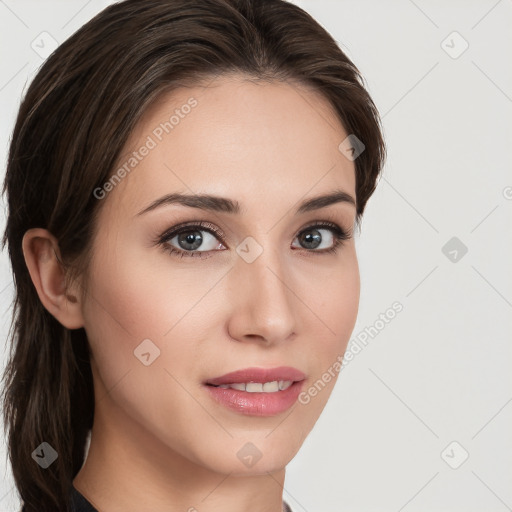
point(77, 501)
point(80, 504)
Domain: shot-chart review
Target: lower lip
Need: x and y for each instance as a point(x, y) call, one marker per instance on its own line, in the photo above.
point(256, 404)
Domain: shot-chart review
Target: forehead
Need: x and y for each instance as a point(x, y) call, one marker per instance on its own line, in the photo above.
point(259, 142)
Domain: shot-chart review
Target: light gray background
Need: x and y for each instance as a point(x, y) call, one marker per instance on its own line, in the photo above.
point(439, 372)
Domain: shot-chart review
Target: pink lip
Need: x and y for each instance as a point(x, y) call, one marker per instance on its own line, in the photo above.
point(258, 375)
point(259, 403)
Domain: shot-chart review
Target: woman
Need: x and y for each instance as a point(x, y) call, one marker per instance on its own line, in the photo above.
point(183, 184)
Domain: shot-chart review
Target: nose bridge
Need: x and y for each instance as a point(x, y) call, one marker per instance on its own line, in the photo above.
point(263, 298)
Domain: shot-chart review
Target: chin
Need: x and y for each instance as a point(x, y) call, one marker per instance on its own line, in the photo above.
point(250, 455)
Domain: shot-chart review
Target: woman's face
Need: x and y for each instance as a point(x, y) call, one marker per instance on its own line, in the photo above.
point(253, 288)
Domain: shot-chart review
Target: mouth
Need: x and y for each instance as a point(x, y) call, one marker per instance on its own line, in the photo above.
point(257, 391)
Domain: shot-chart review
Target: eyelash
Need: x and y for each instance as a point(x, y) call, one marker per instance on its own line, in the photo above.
point(340, 235)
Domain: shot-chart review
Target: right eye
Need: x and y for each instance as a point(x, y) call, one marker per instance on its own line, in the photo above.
point(191, 240)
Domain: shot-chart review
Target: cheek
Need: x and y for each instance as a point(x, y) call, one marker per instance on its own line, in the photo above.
point(341, 304)
point(336, 304)
point(141, 296)
point(131, 301)
point(122, 310)
point(334, 300)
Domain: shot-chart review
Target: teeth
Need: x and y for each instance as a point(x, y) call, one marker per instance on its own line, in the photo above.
point(285, 384)
point(254, 387)
point(271, 387)
point(258, 387)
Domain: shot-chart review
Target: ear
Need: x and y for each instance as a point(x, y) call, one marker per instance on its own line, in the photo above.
point(42, 257)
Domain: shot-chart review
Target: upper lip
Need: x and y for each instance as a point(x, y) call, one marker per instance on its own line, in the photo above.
point(258, 375)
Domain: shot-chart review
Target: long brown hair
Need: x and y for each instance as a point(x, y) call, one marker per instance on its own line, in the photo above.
point(71, 127)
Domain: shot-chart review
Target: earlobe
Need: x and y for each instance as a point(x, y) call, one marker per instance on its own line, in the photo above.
point(42, 257)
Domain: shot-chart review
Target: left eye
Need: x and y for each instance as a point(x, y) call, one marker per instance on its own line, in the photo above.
point(312, 239)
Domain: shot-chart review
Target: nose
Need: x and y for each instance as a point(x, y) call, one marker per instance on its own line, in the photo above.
point(264, 304)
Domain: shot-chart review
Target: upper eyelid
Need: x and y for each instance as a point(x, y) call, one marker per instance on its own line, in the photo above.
point(171, 232)
point(210, 227)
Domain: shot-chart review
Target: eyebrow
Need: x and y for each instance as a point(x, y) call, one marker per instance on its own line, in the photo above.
point(226, 205)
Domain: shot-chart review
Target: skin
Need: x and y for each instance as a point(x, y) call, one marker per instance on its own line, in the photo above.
point(159, 442)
